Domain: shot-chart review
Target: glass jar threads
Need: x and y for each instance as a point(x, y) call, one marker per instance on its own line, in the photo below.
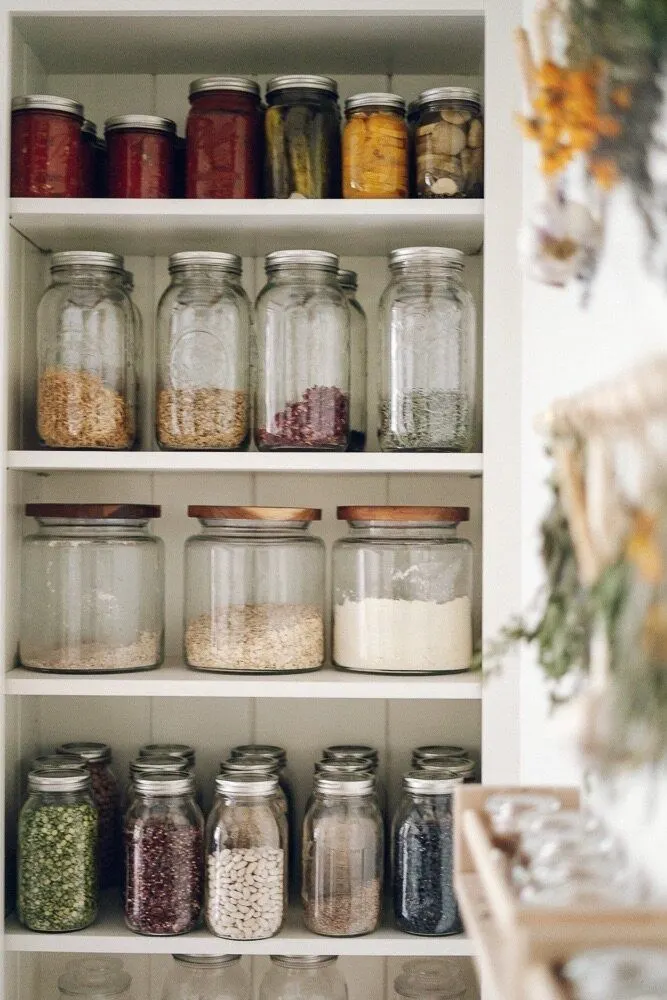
point(140, 156)
point(254, 586)
point(302, 328)
point(358, 370)
point(302, 133)
point(422, 853)
point(203, 355)
point(96, 978)
point(164, 878)
point(449, 139)
point(92, 589)
point(375, 147)
point(46, 147)
point(57, 853)
point(246, 840)
point(86, 392)
point(402, 591)
point(342, 856)
point(303, 977)
point(224, 138)
point(206, 977)
point(427, 352)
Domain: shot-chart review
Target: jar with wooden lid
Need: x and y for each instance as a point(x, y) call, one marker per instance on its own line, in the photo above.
point(375, 147)
point(449, 143)
point(358, 363)
point(402, 591)
point(46, 152)
point(254, 590)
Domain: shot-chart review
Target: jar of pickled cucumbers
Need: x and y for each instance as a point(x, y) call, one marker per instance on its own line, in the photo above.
point(375, 147)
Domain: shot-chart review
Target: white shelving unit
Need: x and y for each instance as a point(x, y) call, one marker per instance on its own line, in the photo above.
point(139, 55)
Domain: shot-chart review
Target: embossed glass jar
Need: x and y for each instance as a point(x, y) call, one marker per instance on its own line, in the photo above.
point(206, 977)
point(95, 978)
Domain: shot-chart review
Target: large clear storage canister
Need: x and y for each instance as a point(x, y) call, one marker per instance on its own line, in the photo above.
point(203, 355)
point(303, 977)
point(402, 591)
point(86, 390)
point(303, 354)
point(98, 977)
point(206, 977)
point(92, 589)
point(254, 590)
point(427, 353)
point(358, 371)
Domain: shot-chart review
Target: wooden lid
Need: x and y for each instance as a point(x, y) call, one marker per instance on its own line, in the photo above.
point(94, 511)
point(426, 515)
point(255, 513)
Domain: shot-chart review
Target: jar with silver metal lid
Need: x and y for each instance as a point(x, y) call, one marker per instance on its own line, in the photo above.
point(434, 750)
point(95, 978)
point(449, 139)
point(206, 977)
point(302, 326)
point(358, 368)
point(164, 873)
point(302, 133)
point(624, 973)
point(140, 156)
point(359, 751)
point(57, 852)
point(462, 767)
point(203, 355)
point(342, 856)
point(183, 750)
point(144, 766)
point(303, 977)
point(87, 378)
point(431, 979)
point(47, 152)
point(427, 353)
point(263, 766)
point(375, 147)
point(247, 858)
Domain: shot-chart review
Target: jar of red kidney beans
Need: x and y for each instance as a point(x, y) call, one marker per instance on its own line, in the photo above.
point(224, 138)
point(46, 147)
point(140, 156)
point(88, 156)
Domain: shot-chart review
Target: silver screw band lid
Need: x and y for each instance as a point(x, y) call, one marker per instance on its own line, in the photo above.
point(345, 784)
point(164, 784)
point(240, 84)
point(348, 280)
point(436, 95)
point(246, 784)
point(302, 81)
point(303, 961)
point(426, 256)
point(142, 123)
point(230, 263)
point(431, 782)
point(320, 260)
point(437, 750)
point(111, 262)
point(89, 128)
point(250, 765)
point(169, 750)
point(58, 762)
point(207, 960)
point(47, 102)
point(388, 102)
point(89, 751)
point(357, 750)
point(151, 765)
point(259, 750)
point(73, 779)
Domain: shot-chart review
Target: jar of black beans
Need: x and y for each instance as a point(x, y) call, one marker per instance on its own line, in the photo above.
point(422, 845)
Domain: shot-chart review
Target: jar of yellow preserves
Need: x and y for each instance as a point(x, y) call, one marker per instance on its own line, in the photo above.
point(375, 147)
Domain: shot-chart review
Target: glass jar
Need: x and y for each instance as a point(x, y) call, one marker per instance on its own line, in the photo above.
point(343, 751)
point(263, 766)
point(402, 591)
point(254, 590)
point(86, 393)
point(303, 977)
point(358, 370)
point(449, 139)
point(303, 354)
point(203, 355)
point(140, 156)
point(505, 810)
point(427, 353)
point(46, 147)
point(431, 979)
point(302, 133)
point(164, 874)
point(435, 750)
point(57, 853)
point(178, 750)
point(463, 767)
point(224, 138)
point(375, 147)
point(88, 153)
point(106, 796)
point(206, 977)
point(145, 766)
point(247, 841)
point(626, 973)
point(342, 857)
point(92, 589)
point(423, 853)
point(95, 978)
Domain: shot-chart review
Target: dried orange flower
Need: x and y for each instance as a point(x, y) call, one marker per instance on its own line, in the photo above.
point(642, 546)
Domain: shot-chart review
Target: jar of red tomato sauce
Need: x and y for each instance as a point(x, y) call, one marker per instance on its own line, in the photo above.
point(140, 156)
point(46, 147)
point(224, 138)
point(88, 155)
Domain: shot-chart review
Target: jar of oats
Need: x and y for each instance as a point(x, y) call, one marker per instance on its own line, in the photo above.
point(86, 391)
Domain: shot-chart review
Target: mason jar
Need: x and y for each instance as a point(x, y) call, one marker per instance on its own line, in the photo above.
point(92, 589)
point(254, 590)
point(164, 874)
point(431, 979)
point(302, 392)
point(461, 767)
point(303, 977)
point(95, 978)
point(375, 147)
point(302, 138)
point(246, 844)
point(358, 369)
point(206, 977)
point(47, 151)
point(145, 766)
point(342, 857)
point(86, 388)
point(203, 355)
point(427, 353)
point(140, 156)
point(263, 766)
point(423, 855)
point(57, 853)
point(434, 750)
point(402, 591)
point(180, 750)
point(449, 140)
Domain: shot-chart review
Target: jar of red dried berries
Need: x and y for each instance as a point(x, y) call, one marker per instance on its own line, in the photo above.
point(88, 156)
point(302, 392)
point(140, 156)
point(224, 138)
point(46, 147)
point(164, 875)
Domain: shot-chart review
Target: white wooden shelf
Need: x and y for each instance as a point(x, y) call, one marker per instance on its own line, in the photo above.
point(174, 681)
point(354, 463)
point(251, 228)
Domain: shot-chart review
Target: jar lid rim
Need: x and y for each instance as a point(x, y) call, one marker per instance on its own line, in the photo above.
point(164, 783)
point(298, 961)
point(59, 762)
point(88, 750)
point(321, 259)
point(438, 750)
point(404, 514)
point(250, 765)
point(433, 782)
point(90, 128)
point(277, 514)
point(152, 765)
point(259, 750)
point(72, 780)
point(443, 256)
point(239, 84)
point(375, 100)
point(229, 262)
point(94, 511)
point(151, 123)
point(348, 279)
point(47, 102)
point(207, 959)
point(434, 94)
point(360, 750)
point(168, 749)
point(87, 258)
point(345, 784)
point(302, 81)
point(246, 782)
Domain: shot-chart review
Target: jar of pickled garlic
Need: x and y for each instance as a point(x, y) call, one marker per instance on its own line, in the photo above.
point(46, 147)
point(449, 144)
point(375, 147)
